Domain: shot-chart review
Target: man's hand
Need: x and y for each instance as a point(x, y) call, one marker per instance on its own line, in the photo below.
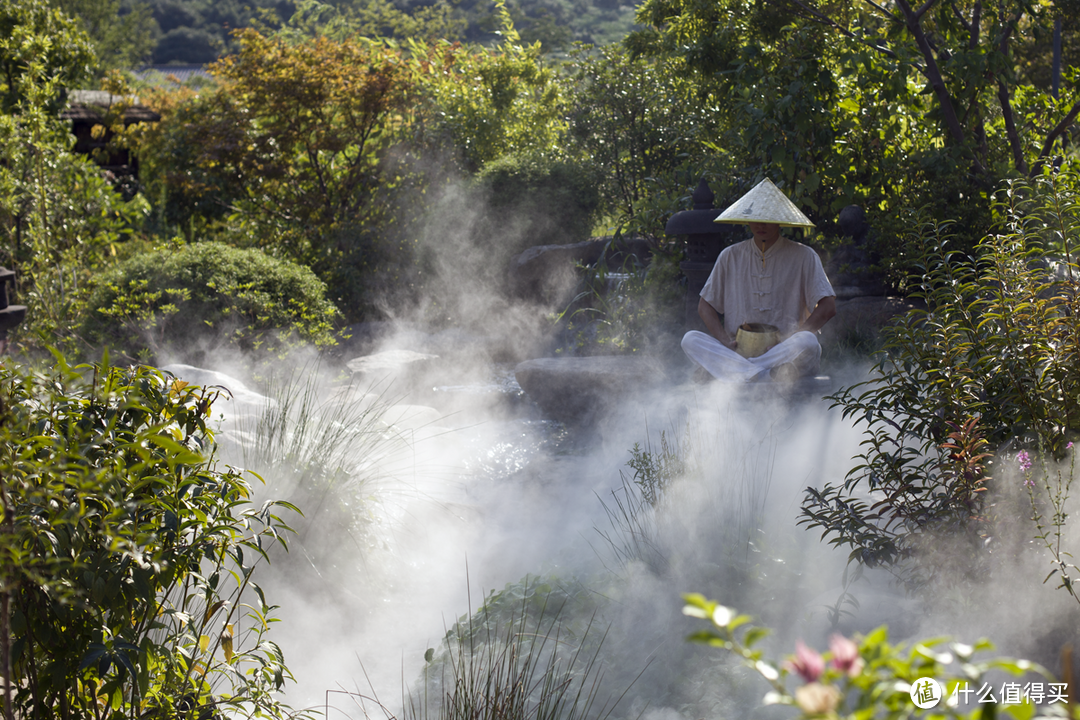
point(714, 324)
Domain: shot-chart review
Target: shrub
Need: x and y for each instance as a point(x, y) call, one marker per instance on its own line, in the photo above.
point(162, 303)
point(534, 201)
point(870, 678)
point(127, 557)
point(994, 358)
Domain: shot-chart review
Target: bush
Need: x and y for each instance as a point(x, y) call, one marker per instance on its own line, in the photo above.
point(533, 201)
point(127, 558)
point(993, 359)
point(207, 296)
point(871, 678)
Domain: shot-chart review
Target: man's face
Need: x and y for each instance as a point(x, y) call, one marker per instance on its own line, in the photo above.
point(765, 232)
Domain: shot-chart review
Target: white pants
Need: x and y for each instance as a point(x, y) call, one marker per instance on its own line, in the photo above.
point(801, 349)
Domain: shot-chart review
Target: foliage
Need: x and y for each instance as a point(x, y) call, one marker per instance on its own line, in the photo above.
point(532, 200)
point(159, 304)
point(630, 309)
point(298, 153)
point(326, 452)
point(880, 105)
point(993, 357)
point(40, 49)
point(59, 217)
point(60, 220)
point(867, 678)
point(314, 116)
point(374, 19)
point(655, 470)
point(494, 102)
point(181, 176)
point(1049, 515)
point(127, 557)
point(197, 31)
point(635, 118)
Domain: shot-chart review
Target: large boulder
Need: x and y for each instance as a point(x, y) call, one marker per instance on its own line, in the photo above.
point(236, 398)
point(390, 363)
point(580, 391)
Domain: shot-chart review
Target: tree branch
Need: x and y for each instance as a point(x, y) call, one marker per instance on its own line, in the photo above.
point(921, 11)
point(960, 16)
point(975, 28)
point(932, 72)
point(818, 16)
point(885, 11)
point(1048, 143)
point(1010, 127)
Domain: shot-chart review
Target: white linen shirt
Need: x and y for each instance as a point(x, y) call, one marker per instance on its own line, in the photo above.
point(781, 286)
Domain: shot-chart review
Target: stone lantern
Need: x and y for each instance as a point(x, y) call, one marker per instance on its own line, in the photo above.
point(10, 315)
point(704, 241)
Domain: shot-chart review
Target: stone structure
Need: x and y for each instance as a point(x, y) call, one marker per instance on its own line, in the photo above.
point(10, 315)
point(850, 268)
point(704, 241)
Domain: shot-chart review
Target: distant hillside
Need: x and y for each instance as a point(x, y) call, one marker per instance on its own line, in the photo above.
point(197, 31)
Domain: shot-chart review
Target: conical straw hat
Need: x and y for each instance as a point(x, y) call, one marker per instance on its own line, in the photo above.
point(765, 204)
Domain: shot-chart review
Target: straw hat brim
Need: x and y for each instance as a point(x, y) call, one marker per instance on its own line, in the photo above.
point(765, 204)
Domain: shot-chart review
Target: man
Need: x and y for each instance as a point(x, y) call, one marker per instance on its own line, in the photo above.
point(766, 279)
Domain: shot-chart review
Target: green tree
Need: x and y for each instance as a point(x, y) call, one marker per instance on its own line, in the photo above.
point(634, 119)
point(876, 104)
point(494, 102)
point(963, 53)
point(42, 49)
point(992, 359)
point(204, 297)
point(59, 218)
point(123, 32)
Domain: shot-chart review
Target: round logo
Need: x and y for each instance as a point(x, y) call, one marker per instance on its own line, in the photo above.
point(926, 692)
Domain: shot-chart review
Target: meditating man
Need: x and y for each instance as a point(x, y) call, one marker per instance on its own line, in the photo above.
point(767, 279)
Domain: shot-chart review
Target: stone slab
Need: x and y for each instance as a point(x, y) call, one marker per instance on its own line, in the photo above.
point(581, 390)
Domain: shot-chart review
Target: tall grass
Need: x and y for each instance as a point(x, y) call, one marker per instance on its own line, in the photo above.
point(326, 448)
point(531, 652)
point(721, 470)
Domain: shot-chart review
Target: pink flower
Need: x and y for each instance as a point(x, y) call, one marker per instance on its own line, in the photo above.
point(1069, 446)
point(808, 663)
point(1024, 460)
point(817, 699)
point(845, 655)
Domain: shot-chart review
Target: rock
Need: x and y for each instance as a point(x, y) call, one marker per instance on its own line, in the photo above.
point(390, 362)
point(579, 391)
point(237, 399)
point(859, 320)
